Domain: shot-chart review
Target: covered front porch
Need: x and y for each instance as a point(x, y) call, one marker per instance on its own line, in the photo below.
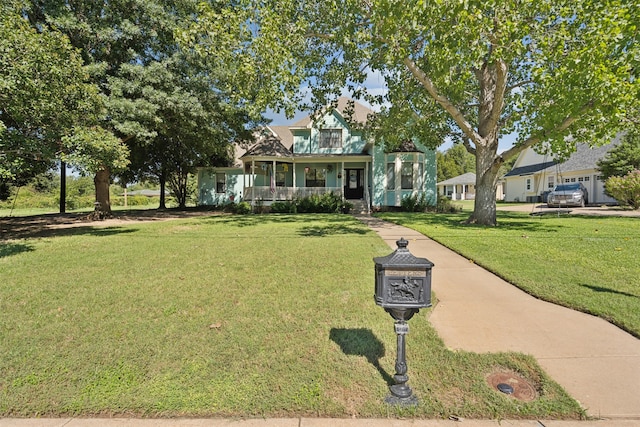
point(270, 180)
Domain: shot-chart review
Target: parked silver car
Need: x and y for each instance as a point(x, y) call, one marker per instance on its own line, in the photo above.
point(573, 194)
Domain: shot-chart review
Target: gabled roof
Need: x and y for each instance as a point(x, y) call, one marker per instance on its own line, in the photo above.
point(464, 179)
point(360, 113)
point(268, 147)
point(406, 146)
point(284, 134)
point(584, 158)
point(530, 169)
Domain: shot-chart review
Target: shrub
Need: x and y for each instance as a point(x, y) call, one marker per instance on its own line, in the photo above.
point(242, 208)
point(284, 207)
point(414, 203)
point(625, 189)
point(325, 203)
point(445, 205)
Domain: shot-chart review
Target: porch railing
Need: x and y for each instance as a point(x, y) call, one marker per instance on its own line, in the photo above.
point(285, 193)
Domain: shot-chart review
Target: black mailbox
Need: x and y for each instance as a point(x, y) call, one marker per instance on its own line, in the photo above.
point(403, 287)
point(402, 280)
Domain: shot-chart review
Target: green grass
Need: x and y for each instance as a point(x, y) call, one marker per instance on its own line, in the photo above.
point(586, 263)
point(239, 316)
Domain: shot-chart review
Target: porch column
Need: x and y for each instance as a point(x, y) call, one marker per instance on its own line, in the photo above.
point(366, 185)
point(342, 178)
point(293, 165)
point(253, 183)
point(273, 177)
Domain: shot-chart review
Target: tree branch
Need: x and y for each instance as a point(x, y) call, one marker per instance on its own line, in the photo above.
point(498, 95)
point(533, 140)
point(455, 113)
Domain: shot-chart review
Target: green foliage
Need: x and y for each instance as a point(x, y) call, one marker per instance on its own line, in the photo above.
point(322, 203)
point(454, 162)
point(471, 71)
point(623, 158)
point(241, 208)
point(288, 206)
point(44, 93)
point(445, 205)
point(92, 149)
point(625, 189)
point(414, 203)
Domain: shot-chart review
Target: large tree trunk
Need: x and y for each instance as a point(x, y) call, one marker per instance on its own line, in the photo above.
point(484, 210)
point(103, 201)
point(163, 186)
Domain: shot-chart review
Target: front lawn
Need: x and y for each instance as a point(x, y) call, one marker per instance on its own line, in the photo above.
point(239, 316)
point(587, 263)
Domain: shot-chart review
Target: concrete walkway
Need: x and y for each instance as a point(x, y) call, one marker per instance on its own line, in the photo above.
point(596, 362)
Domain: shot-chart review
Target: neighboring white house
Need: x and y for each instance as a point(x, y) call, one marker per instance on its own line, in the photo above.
point(533, 175)
point(463, 187)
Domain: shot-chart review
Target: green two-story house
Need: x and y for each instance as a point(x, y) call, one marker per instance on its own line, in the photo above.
point(325, 154)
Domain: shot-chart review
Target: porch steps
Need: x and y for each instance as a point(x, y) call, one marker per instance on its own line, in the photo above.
point(359, 207)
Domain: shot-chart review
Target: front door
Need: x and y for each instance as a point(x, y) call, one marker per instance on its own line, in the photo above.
point(354, 186)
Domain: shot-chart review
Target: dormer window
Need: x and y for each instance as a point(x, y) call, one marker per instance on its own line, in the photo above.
point(330, 138)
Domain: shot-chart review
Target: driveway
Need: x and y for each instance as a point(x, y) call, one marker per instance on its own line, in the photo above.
point(542, 209)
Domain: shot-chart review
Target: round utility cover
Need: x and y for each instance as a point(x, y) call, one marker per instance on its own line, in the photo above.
point(505, 388)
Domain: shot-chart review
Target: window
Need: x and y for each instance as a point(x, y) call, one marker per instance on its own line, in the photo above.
point(280, 177)
point(573, 180)
point(580, 179)
point(586, 178)
point(406, 176)
point(330, 138)
point(220, 183)
point(551, 183)
point(314, 177)
point(391, 176)
point(528, 184)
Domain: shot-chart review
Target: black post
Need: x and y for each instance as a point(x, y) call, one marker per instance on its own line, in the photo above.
point(401, 393)
point(63, 186)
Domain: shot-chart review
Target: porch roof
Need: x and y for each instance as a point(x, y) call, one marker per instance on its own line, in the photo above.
point(406, 146)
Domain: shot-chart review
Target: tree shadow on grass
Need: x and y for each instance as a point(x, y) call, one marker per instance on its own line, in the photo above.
point(361, 342)
point(331, 229)
point(8, 249)
point(313, 225)
point(506, 220)
point(31, 233)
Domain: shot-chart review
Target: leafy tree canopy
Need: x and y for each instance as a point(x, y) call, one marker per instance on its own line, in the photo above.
point(473, 70)
point(623, 158)
point(454, 162)
point(45, 97)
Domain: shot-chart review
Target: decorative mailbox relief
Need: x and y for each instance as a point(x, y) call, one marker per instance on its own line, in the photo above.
point(402, 280)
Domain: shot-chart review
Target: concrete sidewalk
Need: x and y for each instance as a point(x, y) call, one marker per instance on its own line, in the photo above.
point(596, 362)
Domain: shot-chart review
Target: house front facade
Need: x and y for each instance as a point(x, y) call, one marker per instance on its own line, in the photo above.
point(534, 175)
point(316, 156)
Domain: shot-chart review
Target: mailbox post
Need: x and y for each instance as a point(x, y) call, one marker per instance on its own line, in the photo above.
point(402, 288)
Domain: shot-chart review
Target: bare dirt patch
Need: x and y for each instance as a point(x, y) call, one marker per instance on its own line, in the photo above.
point(12, 228)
